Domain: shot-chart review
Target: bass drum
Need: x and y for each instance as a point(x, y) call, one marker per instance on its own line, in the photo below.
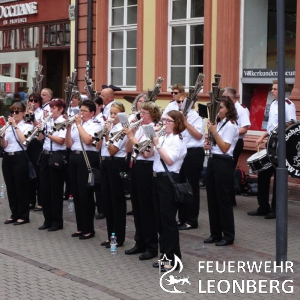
point(259, 161)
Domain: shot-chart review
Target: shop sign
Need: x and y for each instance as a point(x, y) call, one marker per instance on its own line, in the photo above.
point(17, 10)
point(267, 73)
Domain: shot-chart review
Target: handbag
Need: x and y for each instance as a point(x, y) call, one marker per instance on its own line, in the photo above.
point(57, 159)
point(183, 192)
point(31, 169)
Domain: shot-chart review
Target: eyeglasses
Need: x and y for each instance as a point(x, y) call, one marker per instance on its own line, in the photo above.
point(174, 93)
point(15, 112)
point(167, 120)
point(144, 113)
point(55, 99)
point(179, 101)
point(33, 100)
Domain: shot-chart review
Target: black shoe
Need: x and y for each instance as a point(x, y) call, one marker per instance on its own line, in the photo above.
point(9, 221)
point(224, 243)
point(258, 213)
point(86, 237)
point(100, 216)
point(147, 255)
point(156, 265)
point(21, 222)
point(271, 215)
point(233, 202)
point(179, 223)
point(31, 207)
point(211, 240)
point(130, 213)
point(104, 244)
point(134, 250)
point(55, 228)
point(187, 227)
point(44, 227)
point(76, 234)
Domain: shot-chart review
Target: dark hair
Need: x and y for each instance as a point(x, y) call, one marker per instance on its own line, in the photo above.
point(90, 105)
point(178, 121)
point(17, 96)
point(59, 103)
point(231, 111)
point(98, 100)
point(18, 106)
point(178, 86)
point(231, 92)
point(38, 97)
point(153, 109)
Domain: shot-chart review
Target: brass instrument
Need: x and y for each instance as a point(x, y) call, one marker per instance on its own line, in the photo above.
point(28, 115)
point(37, 81)
point(144, 146)
point(214, 105)
point(62, 125)
point(3, 129)
point(193, 94)
point(98, 136)
point(37, 129)
point(89, 83)
point(119, 135)
point(152, 94)
point(70, 88)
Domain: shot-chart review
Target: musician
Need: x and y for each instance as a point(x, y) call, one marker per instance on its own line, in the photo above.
point(172, 150)
point(52, 180)
point(108, 95)
point(243, 122)
point(46, 95)
point(193, 137)
point(15, 165)
point(146, 240)
point(75, 104)
point(85, 127)
point(173, 105)
point(34, 150)
point(219, 174)
point(264, 177)
point(112, 165)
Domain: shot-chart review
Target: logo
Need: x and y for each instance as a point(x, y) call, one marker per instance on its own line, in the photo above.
point(172, 280)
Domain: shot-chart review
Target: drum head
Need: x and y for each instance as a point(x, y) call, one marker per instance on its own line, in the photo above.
point(257, 155)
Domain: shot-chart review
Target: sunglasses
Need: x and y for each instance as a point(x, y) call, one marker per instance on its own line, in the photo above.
point(15, 112)
point(174, 93)
point(167, 120)
point(179, 101)
point(33, 100)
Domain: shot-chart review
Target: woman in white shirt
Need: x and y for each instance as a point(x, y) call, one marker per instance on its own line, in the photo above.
point(172, 150)
point(52, 178)
point(15, 165)
point(113, 164)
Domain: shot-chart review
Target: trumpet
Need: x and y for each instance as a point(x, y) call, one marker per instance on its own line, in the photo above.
point(3, 129)
point(29, 115)
point(119, 135)
point(145, 146)
point(37, 129)
point(62, 125)
point(98, 136)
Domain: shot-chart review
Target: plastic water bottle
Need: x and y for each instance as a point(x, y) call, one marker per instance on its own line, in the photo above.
point(113, 244)
point(2, 190)
point(70, 203)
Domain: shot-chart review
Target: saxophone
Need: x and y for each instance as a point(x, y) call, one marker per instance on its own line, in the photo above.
point(98, 136)
point(35, 132)
point(62, 125)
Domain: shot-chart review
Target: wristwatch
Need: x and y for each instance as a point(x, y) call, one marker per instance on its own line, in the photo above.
point(158, 146)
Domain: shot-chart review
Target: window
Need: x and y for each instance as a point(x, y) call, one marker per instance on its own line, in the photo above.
point(56, 35)
point(186, 27)
point(123, 42)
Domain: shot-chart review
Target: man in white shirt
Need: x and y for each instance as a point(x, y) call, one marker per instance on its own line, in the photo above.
point(46, 95)
point(108, 95)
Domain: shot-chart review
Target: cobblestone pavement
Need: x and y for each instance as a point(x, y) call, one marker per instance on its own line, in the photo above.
point(51, 265)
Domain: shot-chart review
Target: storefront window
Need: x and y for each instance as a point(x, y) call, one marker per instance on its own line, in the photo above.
point(123, 45)
point(186, 27)
point(56, 35)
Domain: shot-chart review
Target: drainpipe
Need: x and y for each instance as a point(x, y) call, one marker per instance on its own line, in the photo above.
point(89, 56)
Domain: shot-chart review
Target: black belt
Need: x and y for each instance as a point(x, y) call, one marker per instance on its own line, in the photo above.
point(163, 174)
point(112, 158)
point(194, 149)
point(143, 162)
point(220, 156)
point(13, 153)
point(49, 152)
point(80, 152)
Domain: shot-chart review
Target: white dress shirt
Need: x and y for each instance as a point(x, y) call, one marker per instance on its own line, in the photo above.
point(13, 145)
point(140, 136)
point(229, 134)
point(72, 111)
point(176, 150)
point(46, 108)
point(120, 144)
point(91, 126)
point(243, 117)
point(60, 133)
point(171, 106)
point(106, 110)
point(290, 114)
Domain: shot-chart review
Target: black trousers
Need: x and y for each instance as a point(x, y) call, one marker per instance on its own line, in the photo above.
point(98, 194)
point(34, 150)
point(191, 168)
point(142, 204)
point(114, 198)
point(236, 153)
point(15, 173)
point(165, 213)
point(264, 180)
point(67, 191)
point(83, 195)
point(52, 186)
point(219, 177)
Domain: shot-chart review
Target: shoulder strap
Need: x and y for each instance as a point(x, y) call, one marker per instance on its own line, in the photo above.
point(167, 171)
point(19, 143)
